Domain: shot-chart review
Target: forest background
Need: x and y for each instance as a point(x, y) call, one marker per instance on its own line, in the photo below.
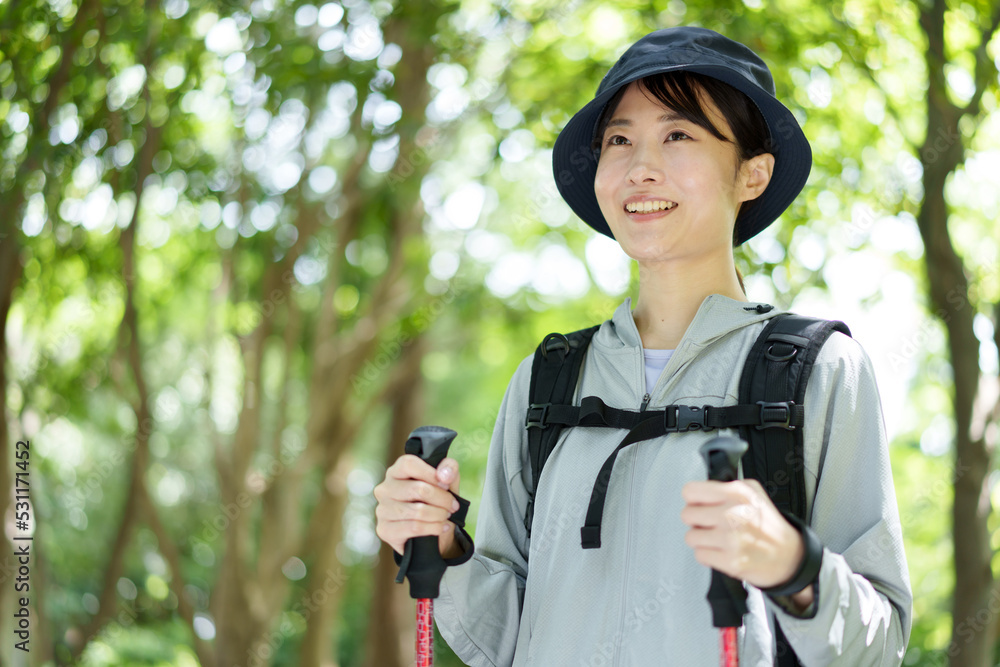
point(247, 246)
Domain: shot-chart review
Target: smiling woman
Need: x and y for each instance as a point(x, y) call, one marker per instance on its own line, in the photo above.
point(684, 153)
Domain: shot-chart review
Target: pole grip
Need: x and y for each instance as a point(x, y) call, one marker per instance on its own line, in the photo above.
point(423, 565)
point(722, 455)
point(726, 595)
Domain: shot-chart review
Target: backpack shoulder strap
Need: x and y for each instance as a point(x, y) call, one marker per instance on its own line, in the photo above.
point(555, 371)
point(774, 377)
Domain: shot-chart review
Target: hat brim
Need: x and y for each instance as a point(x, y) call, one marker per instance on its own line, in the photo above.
point(575, 167)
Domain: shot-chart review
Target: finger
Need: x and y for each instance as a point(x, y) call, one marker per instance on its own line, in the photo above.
point(743, 516)
point(387, 533)
point(757, 496)
point(432, 495)
point(705, 493)
point(701, 516)
point(409, 466)
point(755, 485)
point(717, 560)
point(413, 490)
point(448, 475)
point(411, 511)
point(745, 491)
point(705, 538)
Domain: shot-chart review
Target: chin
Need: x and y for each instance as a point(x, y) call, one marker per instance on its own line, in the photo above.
point(649, 252)
point(641, 241)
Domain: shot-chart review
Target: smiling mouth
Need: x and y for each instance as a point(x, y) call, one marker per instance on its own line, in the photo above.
point(650, 206)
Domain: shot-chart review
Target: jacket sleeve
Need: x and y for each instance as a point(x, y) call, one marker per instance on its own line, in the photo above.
point(479, 609)
point(862, 611)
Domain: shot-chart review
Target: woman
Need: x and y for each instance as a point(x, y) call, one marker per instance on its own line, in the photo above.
point(683, 153)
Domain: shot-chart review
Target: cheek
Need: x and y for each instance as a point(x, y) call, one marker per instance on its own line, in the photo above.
point(707, 177)
point(603, 187)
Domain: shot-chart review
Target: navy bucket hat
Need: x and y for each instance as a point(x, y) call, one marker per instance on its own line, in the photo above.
point(705, 52)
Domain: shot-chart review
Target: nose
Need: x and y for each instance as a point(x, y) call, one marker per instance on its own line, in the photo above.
point(646, 165)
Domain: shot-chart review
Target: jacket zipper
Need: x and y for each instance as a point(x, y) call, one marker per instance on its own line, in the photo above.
point(645, 402)
point(616, 657)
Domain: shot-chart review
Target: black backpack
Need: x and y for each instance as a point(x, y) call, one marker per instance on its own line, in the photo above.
point(769, 415)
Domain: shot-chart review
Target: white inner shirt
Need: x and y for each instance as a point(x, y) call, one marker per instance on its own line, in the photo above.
point(656, 361)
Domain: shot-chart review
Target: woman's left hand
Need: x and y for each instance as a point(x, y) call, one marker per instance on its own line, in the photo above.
point(737, 530)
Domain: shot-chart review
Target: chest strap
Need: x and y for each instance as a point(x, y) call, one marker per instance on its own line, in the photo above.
point(649, 424)
point(592, 411)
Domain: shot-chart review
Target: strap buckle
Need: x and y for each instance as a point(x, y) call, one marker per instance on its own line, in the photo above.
point(775, 415)
point(537, 412)
point(686, 418)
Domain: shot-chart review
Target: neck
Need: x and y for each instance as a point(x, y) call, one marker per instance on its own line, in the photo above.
point(671, 292)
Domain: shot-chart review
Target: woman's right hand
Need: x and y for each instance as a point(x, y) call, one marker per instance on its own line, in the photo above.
point(414, 500)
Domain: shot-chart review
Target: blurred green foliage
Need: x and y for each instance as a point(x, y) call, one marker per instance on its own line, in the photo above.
point(257, 110)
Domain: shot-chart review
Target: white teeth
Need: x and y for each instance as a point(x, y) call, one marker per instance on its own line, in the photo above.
point(649, 206)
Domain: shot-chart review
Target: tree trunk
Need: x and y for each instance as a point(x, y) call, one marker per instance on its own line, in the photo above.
point(325, 587)
point(973, 633)
point(10, 276)
point(140, 406)
point(405, 401)
point(41, 629)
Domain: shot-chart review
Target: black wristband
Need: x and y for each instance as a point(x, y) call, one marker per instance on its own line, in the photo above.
point(812, 561)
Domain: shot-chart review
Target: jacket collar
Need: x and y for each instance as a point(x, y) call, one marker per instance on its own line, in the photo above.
point(717, 316)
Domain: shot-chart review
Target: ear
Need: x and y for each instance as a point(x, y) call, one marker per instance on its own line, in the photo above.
point(756, 175)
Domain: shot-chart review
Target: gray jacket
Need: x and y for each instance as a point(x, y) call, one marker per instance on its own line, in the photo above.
point(640, 598)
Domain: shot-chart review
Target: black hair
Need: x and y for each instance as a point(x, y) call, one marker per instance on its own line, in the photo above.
point(679, 92)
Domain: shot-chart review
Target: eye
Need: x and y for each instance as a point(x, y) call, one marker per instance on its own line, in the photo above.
point(613, 140)
point(677, 135)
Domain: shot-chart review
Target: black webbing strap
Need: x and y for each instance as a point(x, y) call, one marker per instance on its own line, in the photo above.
point(592, 411)
point(554, 373)
point(590, 534)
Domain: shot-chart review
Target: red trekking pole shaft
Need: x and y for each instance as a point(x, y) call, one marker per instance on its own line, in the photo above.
point(425, 632)
point(728, 652)
point(726, 595)
point(422, 564)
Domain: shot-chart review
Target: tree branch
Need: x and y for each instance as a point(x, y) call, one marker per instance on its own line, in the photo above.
point(985, 68)
point(130, 334)
point(220, 296)
point(172, 555)
point(279, 523)
point(996, 327)
point(140, 455)
point(324, 345)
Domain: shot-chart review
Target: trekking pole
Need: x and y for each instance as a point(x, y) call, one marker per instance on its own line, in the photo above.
point(726, 595)
point(422, 563)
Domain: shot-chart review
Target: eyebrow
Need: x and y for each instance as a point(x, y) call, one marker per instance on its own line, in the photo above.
point(668, 117)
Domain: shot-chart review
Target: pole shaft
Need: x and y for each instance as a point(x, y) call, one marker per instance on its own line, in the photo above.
point(727, 644)
point(425, 632)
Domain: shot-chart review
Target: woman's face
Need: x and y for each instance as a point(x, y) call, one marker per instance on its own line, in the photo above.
point(653, 158)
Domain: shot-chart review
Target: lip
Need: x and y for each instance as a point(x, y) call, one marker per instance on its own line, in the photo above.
point(652, 215)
